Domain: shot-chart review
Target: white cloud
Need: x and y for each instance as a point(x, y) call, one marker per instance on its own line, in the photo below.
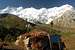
point(42, 15)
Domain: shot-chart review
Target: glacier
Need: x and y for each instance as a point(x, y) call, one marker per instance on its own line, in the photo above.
point(42, 15)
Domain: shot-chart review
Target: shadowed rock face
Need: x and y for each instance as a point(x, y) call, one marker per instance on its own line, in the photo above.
point(37, 40)
point(42, 43)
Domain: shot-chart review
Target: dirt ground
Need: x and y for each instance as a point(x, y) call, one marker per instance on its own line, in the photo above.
point(69, 42)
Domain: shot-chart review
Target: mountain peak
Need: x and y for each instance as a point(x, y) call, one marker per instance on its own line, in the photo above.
point(43, 15)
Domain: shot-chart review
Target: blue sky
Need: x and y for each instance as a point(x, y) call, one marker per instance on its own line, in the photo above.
point(35, 3)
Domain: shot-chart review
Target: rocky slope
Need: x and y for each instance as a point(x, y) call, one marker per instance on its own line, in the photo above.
point(66, 21)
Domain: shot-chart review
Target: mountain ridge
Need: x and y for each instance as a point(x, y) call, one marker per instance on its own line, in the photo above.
point(42, 15)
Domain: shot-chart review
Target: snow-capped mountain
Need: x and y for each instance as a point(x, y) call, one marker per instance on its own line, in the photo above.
point(67, 20)
point(42, 15)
